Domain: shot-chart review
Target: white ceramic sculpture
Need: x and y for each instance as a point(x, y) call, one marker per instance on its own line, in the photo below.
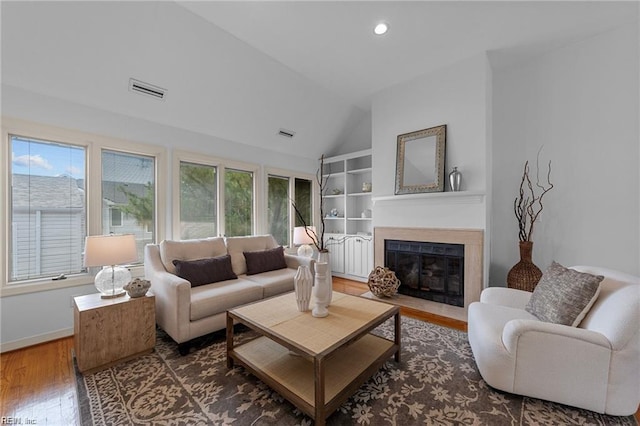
point(325, 257)
point(321, 292)
point(303, 284)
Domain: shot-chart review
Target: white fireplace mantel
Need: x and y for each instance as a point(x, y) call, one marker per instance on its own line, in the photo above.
point(459, 197)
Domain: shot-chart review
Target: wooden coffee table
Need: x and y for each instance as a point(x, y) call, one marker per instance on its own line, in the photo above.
point(315, 363)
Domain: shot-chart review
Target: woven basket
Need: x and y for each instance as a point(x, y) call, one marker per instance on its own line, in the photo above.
point(524, 275)
point(383, 282)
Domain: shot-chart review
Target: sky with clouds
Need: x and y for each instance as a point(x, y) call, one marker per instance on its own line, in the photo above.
point(30, 156)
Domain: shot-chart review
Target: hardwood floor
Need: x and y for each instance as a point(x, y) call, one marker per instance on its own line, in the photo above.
point(358, 288)
point(38, 383)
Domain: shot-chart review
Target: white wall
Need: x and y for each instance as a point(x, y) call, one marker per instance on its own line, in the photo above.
point(581, 103)
point(86, 51)
point(458, 96)
point(455, 96)
point(358, 139)
point(36, 317)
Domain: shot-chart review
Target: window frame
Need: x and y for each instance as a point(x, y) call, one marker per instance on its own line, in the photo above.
point(254, 204)
point(178, 159)
point(121, 214)
point(93, 145)
point(221, 165)
point(292, 176)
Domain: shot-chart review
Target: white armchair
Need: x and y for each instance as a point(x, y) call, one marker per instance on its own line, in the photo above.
point(595, 365)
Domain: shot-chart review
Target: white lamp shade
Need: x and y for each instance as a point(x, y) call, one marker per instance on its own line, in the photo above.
point(102, 250)
point(301, 235)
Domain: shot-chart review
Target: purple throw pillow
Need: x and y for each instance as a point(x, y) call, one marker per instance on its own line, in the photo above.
point(265, 260)
point(205, 271)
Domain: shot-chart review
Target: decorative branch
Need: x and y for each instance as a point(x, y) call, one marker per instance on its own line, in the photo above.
point(527, 208)
point(318, 240)
point(322, 184)
point(310, 233)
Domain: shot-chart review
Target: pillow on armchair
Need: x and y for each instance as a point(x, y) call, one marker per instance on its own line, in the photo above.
point(563, 295)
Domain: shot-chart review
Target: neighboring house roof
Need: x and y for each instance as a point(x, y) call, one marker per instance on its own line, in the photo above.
point(55, 192)
point(112, 193)
point(45, 192)
point(119, 167)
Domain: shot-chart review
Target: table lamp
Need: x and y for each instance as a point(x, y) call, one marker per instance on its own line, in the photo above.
point(108, 251)
point(304, 236)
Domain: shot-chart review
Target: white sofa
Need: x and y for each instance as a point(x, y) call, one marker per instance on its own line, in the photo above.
point(595, 365)
point(187, 312)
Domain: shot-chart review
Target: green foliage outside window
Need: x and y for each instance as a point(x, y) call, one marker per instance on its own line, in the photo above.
point(303, 201)
point(140, 207)
point(278, 209)
point(238, 203)
point(198, 201)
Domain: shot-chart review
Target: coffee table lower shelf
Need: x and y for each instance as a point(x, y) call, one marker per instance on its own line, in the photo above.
point(294, 376)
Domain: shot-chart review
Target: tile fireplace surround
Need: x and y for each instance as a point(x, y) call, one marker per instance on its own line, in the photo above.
point(473, 258)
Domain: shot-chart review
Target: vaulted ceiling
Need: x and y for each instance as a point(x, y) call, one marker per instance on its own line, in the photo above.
point(240, 71)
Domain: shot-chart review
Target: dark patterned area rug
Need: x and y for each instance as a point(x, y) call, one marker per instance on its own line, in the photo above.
point(437, 383)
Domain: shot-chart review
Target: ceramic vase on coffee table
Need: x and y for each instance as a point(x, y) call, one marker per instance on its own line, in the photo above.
point(321, 292)
point(303, 285)
point(324, 257)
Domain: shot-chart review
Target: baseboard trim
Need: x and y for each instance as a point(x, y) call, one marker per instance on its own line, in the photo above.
point(35, 340)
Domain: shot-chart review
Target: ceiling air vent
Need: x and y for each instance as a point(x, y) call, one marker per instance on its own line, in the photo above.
point(286, 133)
point(147, 89)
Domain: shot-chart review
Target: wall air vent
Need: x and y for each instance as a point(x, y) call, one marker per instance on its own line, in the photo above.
point(147, 89)
point(286, 133)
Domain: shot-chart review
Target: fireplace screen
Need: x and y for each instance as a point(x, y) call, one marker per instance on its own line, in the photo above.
point(432, 271)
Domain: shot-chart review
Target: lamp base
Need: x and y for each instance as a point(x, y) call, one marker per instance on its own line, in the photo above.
point(110, 281)
point(112, 296)
point(305, 250)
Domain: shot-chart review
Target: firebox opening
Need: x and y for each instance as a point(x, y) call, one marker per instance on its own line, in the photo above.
point(431, 271)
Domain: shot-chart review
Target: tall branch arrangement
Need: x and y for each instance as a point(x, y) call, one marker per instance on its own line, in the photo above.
point(528, 206)
point(318, 240)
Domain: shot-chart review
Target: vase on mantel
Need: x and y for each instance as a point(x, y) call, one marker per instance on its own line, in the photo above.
point(524, 275)
point(325, 257)
point(455, 178)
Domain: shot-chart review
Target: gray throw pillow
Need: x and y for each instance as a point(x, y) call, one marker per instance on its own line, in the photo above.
point(205, 271)
point(265, 260)
point(563, 295)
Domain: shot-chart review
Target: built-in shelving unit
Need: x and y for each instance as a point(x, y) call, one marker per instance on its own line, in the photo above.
point(348, 214)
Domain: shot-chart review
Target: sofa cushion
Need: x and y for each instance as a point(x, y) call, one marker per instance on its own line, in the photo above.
point(205, 271)
point(265, 260)
point(236, 246)
point(564, 296)
point(216, 298)
point(190, 250)
point(274, 282)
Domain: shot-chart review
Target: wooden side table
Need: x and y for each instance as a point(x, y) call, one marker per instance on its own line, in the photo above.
point(108, 331)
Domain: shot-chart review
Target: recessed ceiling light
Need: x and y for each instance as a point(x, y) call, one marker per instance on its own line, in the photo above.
point(381, 28)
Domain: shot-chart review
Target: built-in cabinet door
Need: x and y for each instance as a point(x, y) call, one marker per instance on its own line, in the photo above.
point(335, 245)
point(358, 256)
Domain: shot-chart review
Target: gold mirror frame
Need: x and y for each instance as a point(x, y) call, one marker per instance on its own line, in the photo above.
point(420, 161)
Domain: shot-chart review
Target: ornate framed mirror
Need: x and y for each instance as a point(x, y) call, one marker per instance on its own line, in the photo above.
point(420, 161)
